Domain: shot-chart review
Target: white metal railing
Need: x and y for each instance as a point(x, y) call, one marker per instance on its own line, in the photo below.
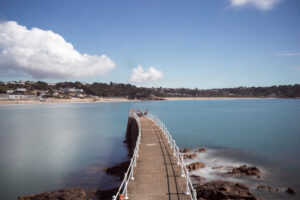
point(184, 171)
point(122, 192)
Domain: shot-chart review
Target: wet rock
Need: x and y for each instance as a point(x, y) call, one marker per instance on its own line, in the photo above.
point(245, 170)
point(186, 150)
point(197, 178)
point(189, 156)
point(201, 149)
point(216, 190)
point(119, 169)
point(291, 190)
point(264, 187)
point(75, 193)
point(106, 194)
point(91, 192)
point(218, 167)
point(195, 166)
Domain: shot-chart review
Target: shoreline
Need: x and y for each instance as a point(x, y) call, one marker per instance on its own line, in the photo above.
point(54, 101)
point(215, 98)
point(120, 99)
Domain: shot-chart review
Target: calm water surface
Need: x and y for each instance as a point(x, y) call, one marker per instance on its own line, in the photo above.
point(50, 146)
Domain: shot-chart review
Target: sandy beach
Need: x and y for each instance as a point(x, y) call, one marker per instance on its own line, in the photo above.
point(117, 99)
point(212, 98)
point(6, 102)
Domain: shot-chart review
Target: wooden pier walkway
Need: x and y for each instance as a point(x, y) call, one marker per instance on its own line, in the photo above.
point(157, 175)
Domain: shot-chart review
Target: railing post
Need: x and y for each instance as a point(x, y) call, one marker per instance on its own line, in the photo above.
point(187, 191)
point(126, 195)
point(131, 177)
point(182, 165)
point(178, 161)
point(194, 194)
point(182, 170)
point(174, 153)
point(125, 187)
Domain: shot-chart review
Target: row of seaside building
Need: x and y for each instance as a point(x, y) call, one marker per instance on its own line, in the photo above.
point(22, 93)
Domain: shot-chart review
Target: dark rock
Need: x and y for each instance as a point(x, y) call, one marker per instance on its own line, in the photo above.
point(245, 170)
point(267, 188)
point(189, 156)
point(119, 169)
point(186, 150)
point(195, 166)
point(197, 178)
point(75, 193)
point(106, 194)
point(218, 190)
point(291, 190)
point(201, 149)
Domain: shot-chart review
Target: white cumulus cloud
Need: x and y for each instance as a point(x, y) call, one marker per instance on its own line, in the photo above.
point(139, 75)
point(259, 4)
point(45, 54)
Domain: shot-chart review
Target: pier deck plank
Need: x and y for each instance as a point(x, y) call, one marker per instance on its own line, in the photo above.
point(157, 175)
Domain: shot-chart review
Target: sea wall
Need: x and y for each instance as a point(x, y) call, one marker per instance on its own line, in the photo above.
point(132, 132)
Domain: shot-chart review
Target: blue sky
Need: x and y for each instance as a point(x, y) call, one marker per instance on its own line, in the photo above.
point(201, 43)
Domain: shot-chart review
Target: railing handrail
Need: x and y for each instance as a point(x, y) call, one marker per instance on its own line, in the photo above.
point(129, 173)
point(184, 171)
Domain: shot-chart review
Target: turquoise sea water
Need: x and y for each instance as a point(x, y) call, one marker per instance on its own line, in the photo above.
point(50, 146)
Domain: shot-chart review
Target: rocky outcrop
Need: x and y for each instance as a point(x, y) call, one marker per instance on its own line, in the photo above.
point(201, 149)
point(245, 170)
point(290, 190)
point(195, 166)
point(119, 169)
point(75, 193)
point(185, 150)
point(189, 156)
point(221, 190)
point(106, 194)
point(263, 187)
point(197, 180)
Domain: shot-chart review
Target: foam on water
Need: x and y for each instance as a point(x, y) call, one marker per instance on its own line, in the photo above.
point(218, 166)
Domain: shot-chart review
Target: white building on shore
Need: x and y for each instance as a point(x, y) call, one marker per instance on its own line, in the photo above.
point(21, 89)
point(16, 97)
